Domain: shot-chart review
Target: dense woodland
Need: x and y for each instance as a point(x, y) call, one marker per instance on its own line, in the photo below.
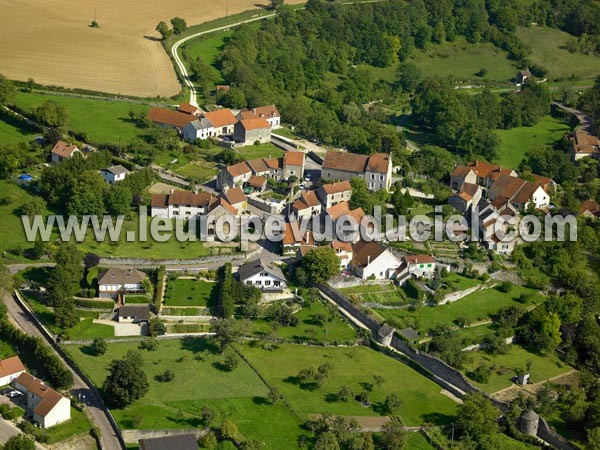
point(315, 63)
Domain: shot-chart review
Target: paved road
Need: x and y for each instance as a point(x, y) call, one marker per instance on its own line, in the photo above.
point(108, 439)
point(8, 430)
point(586, 123)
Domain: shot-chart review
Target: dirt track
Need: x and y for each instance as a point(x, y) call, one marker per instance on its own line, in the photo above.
point(51, 42)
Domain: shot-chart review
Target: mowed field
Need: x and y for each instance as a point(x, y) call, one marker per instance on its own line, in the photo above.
point(53, 43)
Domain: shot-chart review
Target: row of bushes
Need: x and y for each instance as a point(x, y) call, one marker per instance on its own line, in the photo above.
point(99, 304)
point(160, 287)
point(37, 355)
point(188, 328)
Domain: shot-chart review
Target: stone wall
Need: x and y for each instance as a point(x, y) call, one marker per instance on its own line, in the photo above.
point(133, 436)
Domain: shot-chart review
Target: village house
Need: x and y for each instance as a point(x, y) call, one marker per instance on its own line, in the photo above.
point(263, 275)
point(293, 239)
point(240, 173)
point(10, 368)
point(219, 207)
point(478, 172)
point(222, 120)
point(256, 182)
point(583, 145)
point(269, 113)
point(293, 164)
point(168, 118)
point(251, 131)
point(522, 75)
point(353, 216)
point(236, 198)
point(114, 174)
point(188, 108)
point(175, 442)
point(488, 217)
point(590, 209)
point(375, 169)
point(47, 407)
point(522, 194)
point(421, 266)
point(63, 150)
point(116, 282)
point(307, 204)
point(343, 251)
point(198, 129)
point(334, 193)
point(134, 314)
point(372, 261)
point(180, 204)
point(468, 196)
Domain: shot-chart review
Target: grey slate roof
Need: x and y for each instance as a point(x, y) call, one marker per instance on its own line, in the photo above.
point(117, 275)
point(179, 442)
point(116, 170)
point(141, 312)
point(201, 124)
point(256, 266)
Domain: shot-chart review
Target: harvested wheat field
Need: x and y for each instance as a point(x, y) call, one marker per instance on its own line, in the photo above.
point(51, 41)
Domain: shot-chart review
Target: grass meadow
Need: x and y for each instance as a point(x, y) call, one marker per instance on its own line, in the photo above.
point(515, 143)
point(102, 121)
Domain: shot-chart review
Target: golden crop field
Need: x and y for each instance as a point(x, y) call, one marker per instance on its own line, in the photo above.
point(51, 41)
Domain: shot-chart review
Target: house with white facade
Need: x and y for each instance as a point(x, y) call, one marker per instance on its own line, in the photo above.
point(63, 150)
point(180, 204)
point(307, 204)
point(114, 174)
point(343, 250)
point(198, 129)
point(375, 169)
point(421, 266)
point(262, 274)
point(294, 238)
point(268, 113)
point(117, 281)
point(10, 368)
point(222, 120)
point(372, 261)
point(47, 407)
point(333, 193)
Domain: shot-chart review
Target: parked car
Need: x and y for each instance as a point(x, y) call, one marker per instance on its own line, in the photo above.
point(13, 394)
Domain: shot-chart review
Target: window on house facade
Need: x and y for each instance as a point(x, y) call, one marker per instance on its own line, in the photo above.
point(267, 282)
point(264, 274)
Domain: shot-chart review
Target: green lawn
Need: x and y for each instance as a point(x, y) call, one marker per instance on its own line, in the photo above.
point(102, 121)
point(516, 142)
point(172, 248)
point(239, 395)
point(13, 130)
point(416, 441)
point(462, 61)
point(504, 366)
point(184, 292)
point(308, 329)
point(78, 424)
point(548, 45)
point(474, 307)
point(422, 400)
point(87, 329)
point(383, 294)
point(260, 151)
point(13, 236)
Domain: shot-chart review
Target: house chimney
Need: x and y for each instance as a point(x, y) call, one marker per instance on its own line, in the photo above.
point(368, 259)
point(172, 191)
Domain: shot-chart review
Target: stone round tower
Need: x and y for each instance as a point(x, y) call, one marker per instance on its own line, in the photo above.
point(529, 422)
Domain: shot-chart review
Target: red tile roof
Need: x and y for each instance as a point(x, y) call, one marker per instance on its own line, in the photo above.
point(11, 366)
point(254, 124)
point(343, 209)
point(187, 108)
point(257, 181)
point(335, 188)
point(235, 195)
point(267, 112)
point(378, 162)
point(293, 158)
point(221, 118)
point(169, 117)
point(365, 253)
point(420, 259)
point(351, 162)
point(49, 396)
point(289, 237)
point(64, 149)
